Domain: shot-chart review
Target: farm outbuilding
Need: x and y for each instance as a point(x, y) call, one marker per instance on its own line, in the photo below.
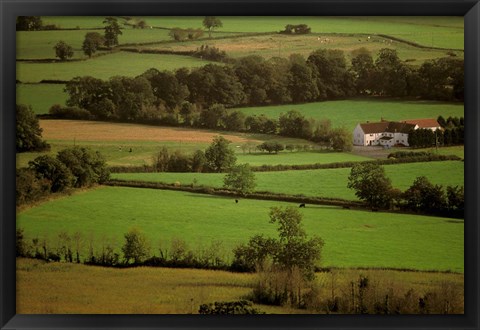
point(389, 133)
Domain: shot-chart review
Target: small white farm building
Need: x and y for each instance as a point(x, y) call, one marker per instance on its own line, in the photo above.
point(389, 133)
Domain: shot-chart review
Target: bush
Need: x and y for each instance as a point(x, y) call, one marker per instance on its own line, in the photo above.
point(210, 53)
point(136, 246)
point(409, 154)
point(28, 131)
point(234, 307)
point(296, 29)
point(57, 111)
point(29, 187)
point(53, 170)
point(88, 167)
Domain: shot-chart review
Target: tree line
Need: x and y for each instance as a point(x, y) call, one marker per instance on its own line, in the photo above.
point(451, 134)
point(255, 81)
point(372, 186)
point(75, 167)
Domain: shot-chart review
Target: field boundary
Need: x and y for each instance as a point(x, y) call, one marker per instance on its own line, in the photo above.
point(302, 167)
point(262, 195)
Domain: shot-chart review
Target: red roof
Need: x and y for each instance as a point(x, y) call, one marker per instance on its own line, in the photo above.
point(369, 128)
point(423, 123)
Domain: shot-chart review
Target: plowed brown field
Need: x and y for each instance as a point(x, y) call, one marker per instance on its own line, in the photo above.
point(102, 131)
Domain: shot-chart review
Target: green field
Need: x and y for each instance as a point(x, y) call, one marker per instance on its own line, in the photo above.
point(39, 44)
point(352, 238)
point(445, 32)
point(317, 183)
point(349, 113)
point(280, 45)
point(83, 22)
point(104, 67)
point(298, 158)
point(41, 96)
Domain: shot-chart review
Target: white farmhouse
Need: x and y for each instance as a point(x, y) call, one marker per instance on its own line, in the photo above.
point(384, 133)
point(389, 133)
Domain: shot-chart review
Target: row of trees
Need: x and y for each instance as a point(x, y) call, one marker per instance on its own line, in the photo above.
point(452, 134)
point(71, 168)
point(218, 157)
point(323, 75)
point(426, 138)
point(375, 188)
point(153, 97)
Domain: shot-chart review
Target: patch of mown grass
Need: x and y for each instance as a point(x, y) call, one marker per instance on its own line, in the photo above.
point(349, 113)
point(353, 238)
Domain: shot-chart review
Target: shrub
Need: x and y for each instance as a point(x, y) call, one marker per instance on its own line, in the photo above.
point(53, 170)
point(28, 131)
point(136, 246)
point(234, 307)
point(60, 112)
point(29, 187)
point(210, 53)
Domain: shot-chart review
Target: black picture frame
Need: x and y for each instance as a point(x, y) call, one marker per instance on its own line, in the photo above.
point(9, 9)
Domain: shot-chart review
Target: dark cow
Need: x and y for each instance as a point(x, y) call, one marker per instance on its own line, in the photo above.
point(346, 207)
point(236, 201)
point(302, 205)
point(374, 209)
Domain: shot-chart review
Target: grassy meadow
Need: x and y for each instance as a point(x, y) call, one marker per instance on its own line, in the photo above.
point(281, 45)
point(317, 183)
point(352, 238)
point(177, 291)
point(104, 67)
point(41, 96)
point(444, 32)
point(348, 113)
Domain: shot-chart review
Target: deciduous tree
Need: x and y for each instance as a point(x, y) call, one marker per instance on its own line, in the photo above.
point(63, 50)
point(371, 184)
point(29, 133)
point(136, 246)
point(219, 156)
point(91, 43)
point(211, 23)
point(240, 178)
point(112, 31)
